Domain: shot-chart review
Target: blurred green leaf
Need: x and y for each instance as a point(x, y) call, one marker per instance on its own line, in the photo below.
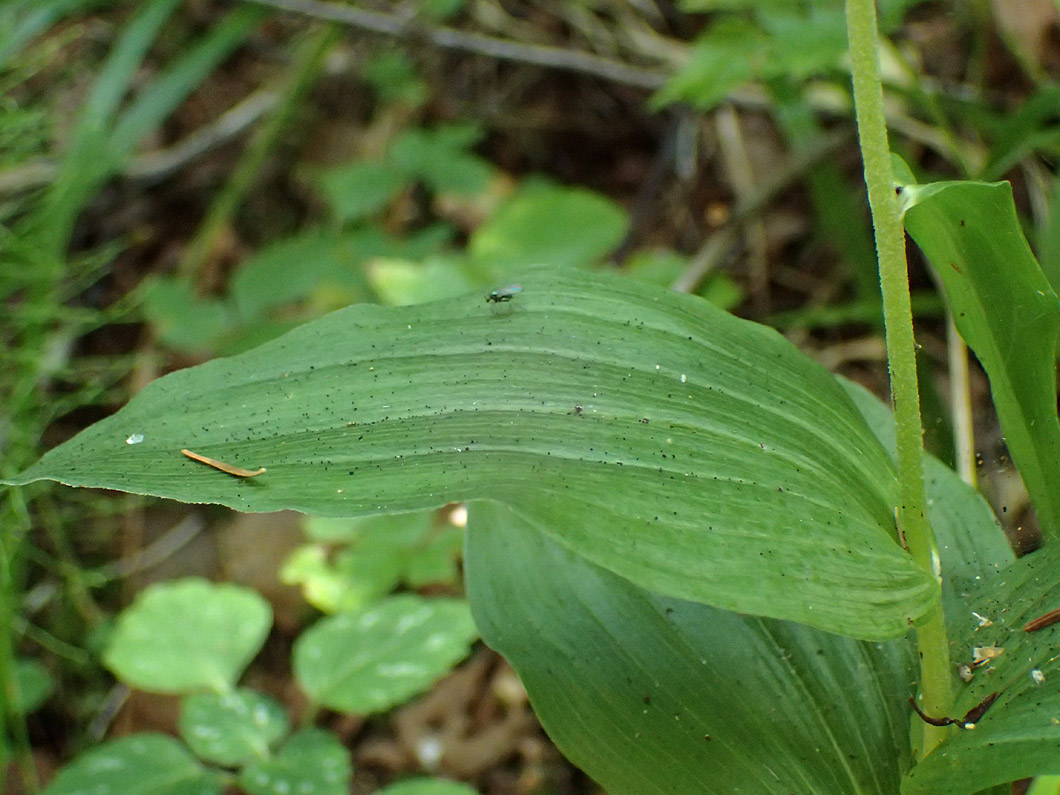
point(22, 20)
point(442, 9)
point(33, 685)
point(1018, 736)
point(181, 319)
point(1006, 311)
point(723, 58)
point(104, 137)
point(442, 158)
point(172, 85)
point(399, 282)
point(294, 268)
point(140, 764)
point(377, 553)
point(565, 227)
point(312, 761)
point(348, 580)
point(676, 445)
point(233, 728)
point(381, 656)
point(703, 6)
point(435, 562)
point(804, 41)
point(188, 635)
point(1019, 132)
point(427, 786)
point(360, 189)
point(393, 74)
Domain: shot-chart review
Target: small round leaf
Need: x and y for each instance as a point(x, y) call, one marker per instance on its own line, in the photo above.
point(383, 655)
point(187, 636)
point(232, 728)
point(141, 764)
point(312, 762)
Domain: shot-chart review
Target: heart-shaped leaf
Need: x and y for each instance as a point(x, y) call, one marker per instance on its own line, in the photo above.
point(231, 728)
point(141, 764)
point(186, 636)
point(380, 656)
point(311, 762)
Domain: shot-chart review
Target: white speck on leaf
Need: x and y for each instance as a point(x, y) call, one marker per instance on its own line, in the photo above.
point(395, 670)
point(1037, 676)
point(135, 438)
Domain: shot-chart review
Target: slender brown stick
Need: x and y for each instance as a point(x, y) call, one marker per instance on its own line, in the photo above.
point(1042, 621)
point(238, 472)
point(450, 38)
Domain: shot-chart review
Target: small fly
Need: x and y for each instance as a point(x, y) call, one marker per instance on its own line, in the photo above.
point(503, 294)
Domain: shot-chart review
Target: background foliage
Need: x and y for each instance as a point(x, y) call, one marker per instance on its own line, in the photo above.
point(184, 180)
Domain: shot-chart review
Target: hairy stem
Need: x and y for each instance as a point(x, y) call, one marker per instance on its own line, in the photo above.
point(935, 680)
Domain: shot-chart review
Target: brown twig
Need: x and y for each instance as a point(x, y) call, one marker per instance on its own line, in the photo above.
point(1042, 621)
point(160, 163)
point(238, 472)
point(404, 27)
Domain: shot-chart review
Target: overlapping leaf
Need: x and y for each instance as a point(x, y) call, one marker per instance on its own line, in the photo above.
point(661, 438)
point(654, 696)
point(650, 695)
point(1020, 734)
point(1006, 311)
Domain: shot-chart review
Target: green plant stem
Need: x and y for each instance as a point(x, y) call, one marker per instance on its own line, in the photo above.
point(935, 679)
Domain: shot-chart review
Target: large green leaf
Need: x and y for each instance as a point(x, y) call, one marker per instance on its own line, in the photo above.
point(609, 666)
point(1006, 311)
point(655, 696)
point(687, 450)
point(1019, 736)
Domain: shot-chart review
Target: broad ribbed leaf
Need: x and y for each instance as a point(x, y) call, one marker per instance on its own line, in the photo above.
point(687, 450)
point(655, 696)
point(1006, 311)
point(1020, 734)
point(971, 543)
point(629, 684)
